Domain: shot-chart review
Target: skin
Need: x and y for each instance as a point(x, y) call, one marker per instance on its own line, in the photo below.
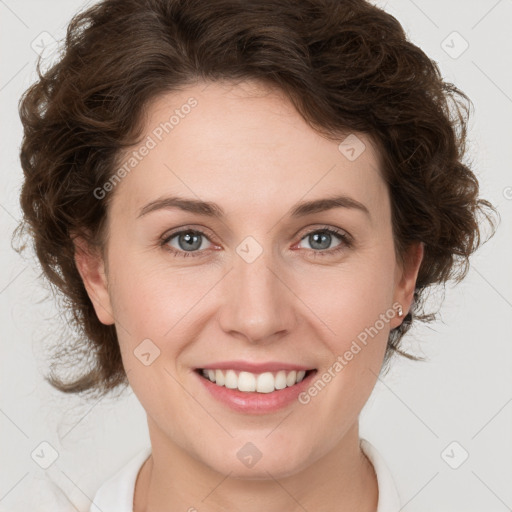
point(245, 148)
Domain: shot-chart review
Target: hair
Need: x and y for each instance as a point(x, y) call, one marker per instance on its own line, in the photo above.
point(345, 65)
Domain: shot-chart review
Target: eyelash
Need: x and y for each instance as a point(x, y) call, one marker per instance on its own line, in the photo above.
point(346, 242)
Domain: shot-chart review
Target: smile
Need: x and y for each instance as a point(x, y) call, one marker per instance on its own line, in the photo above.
point(248, 382)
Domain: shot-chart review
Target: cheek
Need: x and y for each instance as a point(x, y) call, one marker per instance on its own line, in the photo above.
point(149, 298)
point(356, 307)
point(351, 298)
point(158, 310)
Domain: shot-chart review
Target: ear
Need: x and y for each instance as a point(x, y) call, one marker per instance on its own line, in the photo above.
point(406, 276)
point(91, 266)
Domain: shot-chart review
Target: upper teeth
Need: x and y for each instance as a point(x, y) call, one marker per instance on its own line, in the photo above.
point(249, 382)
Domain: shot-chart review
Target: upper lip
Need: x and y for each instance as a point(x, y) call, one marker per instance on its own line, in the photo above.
point(253, 367)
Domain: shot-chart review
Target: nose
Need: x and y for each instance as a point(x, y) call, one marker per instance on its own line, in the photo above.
point(258, 305)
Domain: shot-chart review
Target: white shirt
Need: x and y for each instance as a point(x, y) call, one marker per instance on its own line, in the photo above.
point(116, 494)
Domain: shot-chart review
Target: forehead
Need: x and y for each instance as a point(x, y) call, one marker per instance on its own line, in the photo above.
point(243, 144)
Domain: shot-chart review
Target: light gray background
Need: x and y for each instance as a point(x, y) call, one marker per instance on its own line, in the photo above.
point(463, 394)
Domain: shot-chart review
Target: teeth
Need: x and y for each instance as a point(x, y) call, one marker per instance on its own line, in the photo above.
point(219, 377)
point(231, 380)
point(249, 382)
point(245, 381)
point(291, 378)
point(280, 380)
point(265, 383)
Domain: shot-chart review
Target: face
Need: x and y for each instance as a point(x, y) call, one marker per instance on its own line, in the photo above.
point(253, 282)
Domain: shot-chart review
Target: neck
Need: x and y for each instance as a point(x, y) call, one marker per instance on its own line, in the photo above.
point(343, 480)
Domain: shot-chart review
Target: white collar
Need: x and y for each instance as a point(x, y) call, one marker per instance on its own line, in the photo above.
point(389, 499)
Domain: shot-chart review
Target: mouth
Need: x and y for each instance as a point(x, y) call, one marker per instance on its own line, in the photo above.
point(251, 383)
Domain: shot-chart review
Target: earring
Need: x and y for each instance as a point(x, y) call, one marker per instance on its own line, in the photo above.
point(400, 312)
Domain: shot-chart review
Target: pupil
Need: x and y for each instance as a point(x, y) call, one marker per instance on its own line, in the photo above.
point(325, 237)
point(190, 239)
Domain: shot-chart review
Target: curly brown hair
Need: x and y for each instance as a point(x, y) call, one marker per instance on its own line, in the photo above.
point(344, 64)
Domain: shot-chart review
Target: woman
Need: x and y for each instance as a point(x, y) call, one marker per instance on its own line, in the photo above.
point(244, 203)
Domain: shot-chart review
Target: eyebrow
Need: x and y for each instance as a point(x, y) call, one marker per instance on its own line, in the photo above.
point(210, 209)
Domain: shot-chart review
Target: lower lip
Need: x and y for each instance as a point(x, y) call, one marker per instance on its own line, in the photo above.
point(253, 402)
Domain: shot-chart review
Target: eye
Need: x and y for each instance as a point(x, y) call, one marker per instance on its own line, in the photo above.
point(185, 243)
point(194, 243)
point(320, 241)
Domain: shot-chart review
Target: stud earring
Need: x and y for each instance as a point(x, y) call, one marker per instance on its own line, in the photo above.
point(400, 312)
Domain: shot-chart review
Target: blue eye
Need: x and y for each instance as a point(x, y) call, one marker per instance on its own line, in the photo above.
point(321, 239)
point(190, 242)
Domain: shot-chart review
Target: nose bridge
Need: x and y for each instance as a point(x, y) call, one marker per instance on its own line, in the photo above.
point(257, 304)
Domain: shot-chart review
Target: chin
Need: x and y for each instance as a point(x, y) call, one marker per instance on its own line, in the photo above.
point(249, 463)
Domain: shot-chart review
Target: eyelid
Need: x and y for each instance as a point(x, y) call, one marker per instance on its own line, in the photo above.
point(325, 227)
point(191, 228)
